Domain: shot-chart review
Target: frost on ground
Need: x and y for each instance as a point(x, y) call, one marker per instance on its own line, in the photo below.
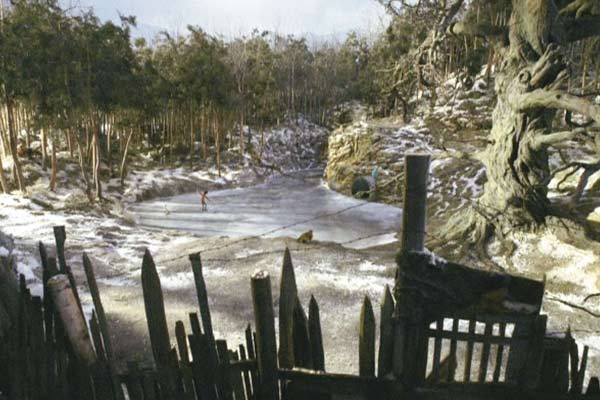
point(337, 276)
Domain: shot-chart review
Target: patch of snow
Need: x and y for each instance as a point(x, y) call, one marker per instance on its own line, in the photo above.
point(368, 266)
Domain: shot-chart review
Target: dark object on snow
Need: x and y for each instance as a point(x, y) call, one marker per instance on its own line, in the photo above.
point(363, 186)
point(306, 237)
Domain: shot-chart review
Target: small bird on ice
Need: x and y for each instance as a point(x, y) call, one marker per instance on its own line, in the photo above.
point(167, 212)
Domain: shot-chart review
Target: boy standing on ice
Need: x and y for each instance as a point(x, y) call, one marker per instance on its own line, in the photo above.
point(204, 198)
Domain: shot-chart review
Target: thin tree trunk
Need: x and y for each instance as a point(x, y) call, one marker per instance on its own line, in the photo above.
point(242, 133)
point(97, 180)
point(171, 135)
point(217, 144)
point(84, 175)
point(192, 138)
point(3, 181)
point(44, 148)
point(123, 171)
point(13, 147)
point(54, 167)
point(108, 128)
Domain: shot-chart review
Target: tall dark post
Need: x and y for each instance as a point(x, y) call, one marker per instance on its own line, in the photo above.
point(157, 325)
point(265, 336)
point(410, 342)
point(416, 171)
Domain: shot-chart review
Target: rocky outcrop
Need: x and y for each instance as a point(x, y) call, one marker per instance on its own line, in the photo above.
point(356, 150)
point(451, 133)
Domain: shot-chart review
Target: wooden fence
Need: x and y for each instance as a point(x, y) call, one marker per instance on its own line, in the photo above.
point(462, 356)
point(51, 352)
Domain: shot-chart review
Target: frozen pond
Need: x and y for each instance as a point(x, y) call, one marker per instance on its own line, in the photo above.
point(282, 207)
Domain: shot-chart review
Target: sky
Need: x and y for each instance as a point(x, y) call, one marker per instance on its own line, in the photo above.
point(320, 18)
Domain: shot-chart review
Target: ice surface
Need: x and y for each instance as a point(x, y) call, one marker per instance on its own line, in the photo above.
point(294, 204)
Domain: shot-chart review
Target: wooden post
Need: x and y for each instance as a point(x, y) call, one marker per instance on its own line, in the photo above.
point(155, 312)
point(386, 335)
point(593, 388)
point(60, 235)
point(366, 345)
point(287, 298)
point(301, 341)
point(410, 341)
point(265, 336)
point(203, 304)
point(416, 168)
point(315, 335)
point(95, 293)
point(202, 297)
point(65, 304)
point(102, 323)
point(157, 326)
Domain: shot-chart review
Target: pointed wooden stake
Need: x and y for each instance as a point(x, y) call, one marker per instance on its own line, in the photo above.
point(315, 335)
point(268, 388)
point(386, 334)
point(301, 343)
point(366, 345)
point(287, 298)
point(155, 312)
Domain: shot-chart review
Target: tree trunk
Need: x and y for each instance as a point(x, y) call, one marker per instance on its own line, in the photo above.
point(44, 148)
point(96, 150)
point(84, 175)
point(516, 159)
point(192, 137)
point(54, 167)
point(108, 131)
point(3, 182)
point(124, 160)
point(217, 133)
point(12, 135)
point(242, 133)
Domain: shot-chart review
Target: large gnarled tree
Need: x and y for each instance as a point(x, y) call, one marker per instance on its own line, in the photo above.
point(531, 88)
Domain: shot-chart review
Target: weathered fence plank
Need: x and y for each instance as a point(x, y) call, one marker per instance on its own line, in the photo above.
point(366, 345)
point(315, 335)
point(203, 301)
point(416, 168)
point(224, 380)
point(452, 355)
point(63, 299)
point(301, 341)
point(157, 325)
point(386, 334)
point(499, 354)
point(485, 353)
point(246, 375)
point(469, 352)
point(287, 301)
point(437, 351)
point(265, 336)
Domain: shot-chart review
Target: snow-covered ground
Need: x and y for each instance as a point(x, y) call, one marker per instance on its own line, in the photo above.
point(338, 276)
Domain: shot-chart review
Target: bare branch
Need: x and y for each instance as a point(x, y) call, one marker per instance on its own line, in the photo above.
point(540, 98)
point(582, 7)
point(557, 137)
point(480, 30)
